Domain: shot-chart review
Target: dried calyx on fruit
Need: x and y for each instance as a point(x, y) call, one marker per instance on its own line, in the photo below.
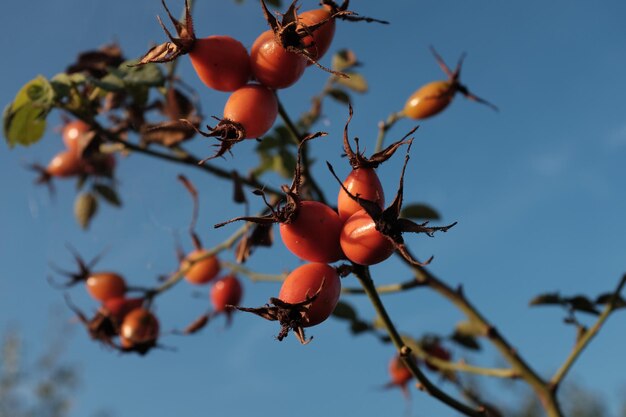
point(298, 35)
point(249, 113)
point(435, 96)
point(309, 229)
point(221, 62)
point(106, 324)
point(307, 297)
point(388, 221)
point(362, 180)
point(80, 276)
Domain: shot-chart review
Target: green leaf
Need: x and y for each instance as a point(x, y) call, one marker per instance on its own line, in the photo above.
point(582, 303)
point(355, 82)
point(24, 120)
point(343, 60)
point(419, 211)
point(344, 311)
point(339, 95)
point(359, 327)
point(85, 207)
point(63, 83)
point(466, 341)
point(108, 194)
point(547, 299)
point(149, 75)
point(284, 163)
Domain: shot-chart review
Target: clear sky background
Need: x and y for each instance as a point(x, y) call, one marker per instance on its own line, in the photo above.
point(537, 189)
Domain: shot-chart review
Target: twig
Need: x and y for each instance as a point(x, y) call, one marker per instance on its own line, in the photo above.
point(364, 277)
point(586, 338)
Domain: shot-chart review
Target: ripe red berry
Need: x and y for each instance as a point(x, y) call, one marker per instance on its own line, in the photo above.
point(72, 135)
point(118, 307)
point(274, 66)
point(139, 330)
point(322, 37)
point(202, 271)
point(226, 292)
point(221, 62)
point(65, 164)
point(308, 280)
point(313, 235)
point(254, 107)
point(399, 373)
point(105, 285)
point(361, 182)
point(362, 243)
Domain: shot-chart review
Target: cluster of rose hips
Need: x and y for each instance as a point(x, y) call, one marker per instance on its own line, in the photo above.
point(119, 317)
point(128, 323)
point(277, 59)
point(78, 159)
point(360, 231)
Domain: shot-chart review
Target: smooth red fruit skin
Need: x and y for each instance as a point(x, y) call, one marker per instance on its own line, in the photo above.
point(139, 326)
point(119, 307)
point(399, 372)
point(429, 100)
point(362, 243)
point(274, 66)
point(314, 234)
point(202, 271)
point(322, 37)
point(65, 164)
point(221, 62)
point(72, 134)
point(305, 281)
point(226, 291)
point(362, 182)
point(253, 106)
point(105, 285)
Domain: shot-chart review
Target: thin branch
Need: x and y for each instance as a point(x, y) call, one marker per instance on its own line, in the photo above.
point(405, 352)
point(508, 352)
point(180, 273)
point(383, 127)
point(387, 289)
point(298, 137)
point(254, 276)
point(586, 338)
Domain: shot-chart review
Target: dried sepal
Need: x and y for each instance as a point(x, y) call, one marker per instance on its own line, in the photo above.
point(290, 32)
point(336, 10)
point(102, 327)
point(170, 133)
point(357, 159)
point(455, 79)
point(98, 62)
point(83, 272)
point(258, 235)
point(287, 211)
point(196, 325)
point(227, 132)
point(292, 317)
point(176, 46)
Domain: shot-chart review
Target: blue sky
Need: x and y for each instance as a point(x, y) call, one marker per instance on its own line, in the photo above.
point(537, 189)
